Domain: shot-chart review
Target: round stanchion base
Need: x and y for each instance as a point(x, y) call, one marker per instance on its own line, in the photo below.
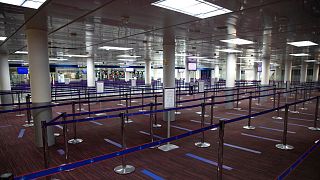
point(156, 125)
point(28, 125)
point(213, 129)
point(258, 104)
point(6, 176)
point(177, 113)
point(303, 108)
point(128, 121)
point(20, 115)
point(31, 121)
point(75, 141)
point(284, 146)
point(133, 101)
point(101, 114)
point(248, 127)
point(142, 110)
point(237, 109)
point(80, 109)
point(314, 128)
point(202, 144)
point(56, 134)
point(168, 147)
point(277, 118)
point(120, 104)
point(214, 107)
point(127, 169)
point(55, 103)
point(294, 112)
point(180, 105)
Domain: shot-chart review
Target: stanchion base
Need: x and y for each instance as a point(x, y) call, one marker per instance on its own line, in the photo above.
point(258, 104)
point(177, 112)
point(80, 109)
point(101, 114)
point(213, 129)
point(284, 146)
point(180, 105)
point(202, 144)
point(248, 127)
point(127, 169)
point(314, 128)
point(120, 104)
point(237, 109)
point(303, 108)
point(27, 121)
point(28, 125)
point(56, 134)
point(20, 115)
point(168, 147)
point(142, 110)
point(277, 118)
point(133, 101)
point(128, 121)
point(214, 107)
point(75, 141)
point(156, 125)
point(55, 103)
point(294, 112)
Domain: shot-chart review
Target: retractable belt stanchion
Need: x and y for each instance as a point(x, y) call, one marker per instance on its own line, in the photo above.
point(151, 124)
point(156, 125)
point(220, 150)
point(248, 126)
point(274, 97)
point(127, 111)
point(79, 101)
point(295, 100)
point(142, 101)
point(177, 104)
point(315, 128)
point(19, 106)
point(123, 168)
point(75, 140)
point(237, 105)
point(212, 106)
point(130, 102)
point(89, 105)
point(45, 145)
point(29, 117)
point(65, 139)
point(278, 117)
point(202, 143)
point(120, 96)
point(304, 97)
point(259, 93)
point(284, 145)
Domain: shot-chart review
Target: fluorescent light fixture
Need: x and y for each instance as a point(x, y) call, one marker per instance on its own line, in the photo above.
point(128, 56)
point(299, 54)
point(302, 43)
point(34, 4)
point(129, 60)
point(246, 57)
point(121, 63)
point(237, 41)
point(15, 60)
point(311, 60)
point(58, 59)
point(197, 8)
point(115, 48)
point(2, 38)
point(77, 55)
point(258, 61)
point(181, 55)
point(229, 50)
point(196, 57)
point(21, 52)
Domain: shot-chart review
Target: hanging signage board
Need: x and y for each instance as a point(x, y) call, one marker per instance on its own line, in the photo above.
point(100, 86)
point(169, 98)
point(201, 86)
point(133, 82)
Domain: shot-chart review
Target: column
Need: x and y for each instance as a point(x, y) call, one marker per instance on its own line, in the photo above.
point(187, 72)
point(37, 39)
point(238, 72)
point(169, 66)
point(315, 76)
point(91, 76)
point(216, 72)
point(278, 73)
point(127, 76)
point(147, 79)
point(265, 68)
point(5, 83)
point(288, 70)
point(303, 72)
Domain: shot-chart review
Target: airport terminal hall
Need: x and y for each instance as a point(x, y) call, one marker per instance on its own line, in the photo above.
point(159, 89)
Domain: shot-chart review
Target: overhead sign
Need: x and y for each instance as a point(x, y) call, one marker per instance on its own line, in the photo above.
point(201, 86)
point(169, 98)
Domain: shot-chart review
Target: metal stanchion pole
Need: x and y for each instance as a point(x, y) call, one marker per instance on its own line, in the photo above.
point(278, 117)
point(19, 106)
point(284, 144)
point(123, 168)
point(177, 104)
point(29, 117)
point(75, 140)
point(315, 128)
point(220, 150)
point(237, 104)
point(65, 139)
point(45, 145)
point(249, 127)
point(142, 101)
point(79, 101)
point(304, 97)
point(212, 106)
point(156, 125)
point(202, 143)
point(295, 100)
point(151, 117)
point(274, 97)
point(127, 111)
point(89, 104)
point(130, 96)
point(259, 93)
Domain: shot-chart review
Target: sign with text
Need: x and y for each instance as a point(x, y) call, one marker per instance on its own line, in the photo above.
point(169, 98)
point(133, 82)
point(100, 86)
point(201, 86)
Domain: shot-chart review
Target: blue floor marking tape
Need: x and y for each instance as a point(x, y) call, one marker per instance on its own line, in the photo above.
point(293, 124)
point(299, 119)
point(97, 123)
point(151, 175)
point(181, 128)
point(260, 137)
point(207, 161)
point(113, 143)
point(242, 148)
point(159, 137)
point(199, 122)
point(274, 129)
point(21, 133)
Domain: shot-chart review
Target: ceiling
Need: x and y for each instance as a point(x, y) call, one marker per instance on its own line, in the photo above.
point(141, 26)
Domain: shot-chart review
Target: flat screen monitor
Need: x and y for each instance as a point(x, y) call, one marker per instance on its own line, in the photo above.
point(192, 66)
point(129, 69)
point(22, 70)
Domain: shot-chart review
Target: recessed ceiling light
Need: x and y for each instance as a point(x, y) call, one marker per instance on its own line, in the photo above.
point(197, 8)
point(76, 55)
point(237, 41)
point(15, 60)
point(115, 48)
point(34, 4)
point(2, 38)
point(246, 57)
point(196, 57)
point(58, 59)
point(299, 54)
point(21, 52)
point(181, 55)
point(130, 60)
point(229, 50)
point(302, 43)
point(128, 56)
point(311, 60)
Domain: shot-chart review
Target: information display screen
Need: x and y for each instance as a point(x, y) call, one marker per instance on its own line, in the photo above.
point(22, 70)
point(129, 69)
point(192, 66)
